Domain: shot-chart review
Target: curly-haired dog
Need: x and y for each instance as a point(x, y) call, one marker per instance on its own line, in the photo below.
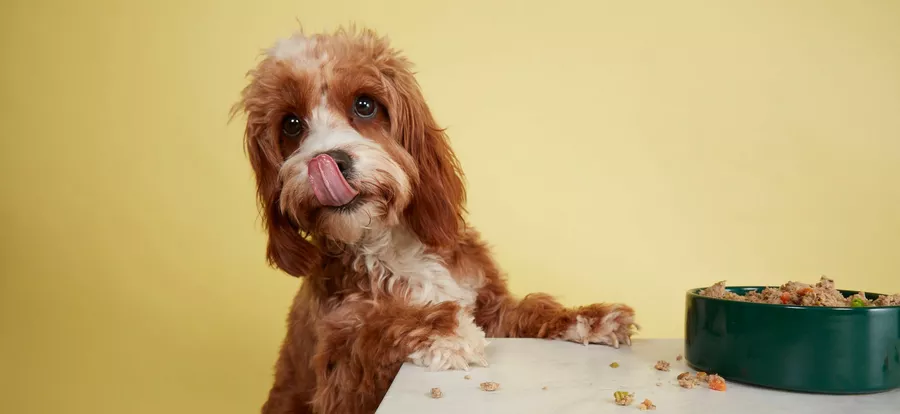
point(363, 196)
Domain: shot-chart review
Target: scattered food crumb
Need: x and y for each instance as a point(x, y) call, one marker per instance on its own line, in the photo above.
point(436, 393)
point(646, 405)
point(659, 384)
point(662, 365)
point(614, 365)
point(489, 386)
point(544, 388)
point(679, 357)
point(687, 382)
point(623, 397)
point(717, 383)
point(467, 377)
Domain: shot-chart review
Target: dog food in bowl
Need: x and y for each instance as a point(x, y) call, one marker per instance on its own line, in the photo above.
point(822, 293)
point(797, 337)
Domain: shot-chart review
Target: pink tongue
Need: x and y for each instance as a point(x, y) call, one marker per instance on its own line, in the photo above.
point(328, 183)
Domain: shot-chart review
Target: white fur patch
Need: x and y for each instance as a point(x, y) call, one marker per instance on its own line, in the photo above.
point(321, 119)
point(608, 331)
point(400, 255)
point(579, 330)
point(457, 351)
point(299, 50)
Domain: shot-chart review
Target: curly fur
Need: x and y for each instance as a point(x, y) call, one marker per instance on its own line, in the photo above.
point(400, 276)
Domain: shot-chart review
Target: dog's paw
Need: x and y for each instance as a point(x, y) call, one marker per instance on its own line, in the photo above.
point(602, 324)
point(455, 352)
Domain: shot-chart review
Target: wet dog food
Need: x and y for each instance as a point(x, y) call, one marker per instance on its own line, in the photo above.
point(822, 293)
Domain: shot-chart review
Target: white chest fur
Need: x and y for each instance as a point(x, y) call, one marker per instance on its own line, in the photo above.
point(400, 257)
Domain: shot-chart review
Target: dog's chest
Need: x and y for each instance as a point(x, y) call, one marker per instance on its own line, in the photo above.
point(424, 277)
point(433, 283)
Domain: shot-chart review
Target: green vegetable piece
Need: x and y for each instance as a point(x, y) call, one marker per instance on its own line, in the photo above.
point(623, 397)
point(857, 303)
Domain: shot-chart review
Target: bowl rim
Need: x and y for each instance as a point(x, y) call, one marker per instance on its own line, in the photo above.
point(695, 293)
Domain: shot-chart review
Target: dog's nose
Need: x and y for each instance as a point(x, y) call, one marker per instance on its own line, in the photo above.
point(343, 161)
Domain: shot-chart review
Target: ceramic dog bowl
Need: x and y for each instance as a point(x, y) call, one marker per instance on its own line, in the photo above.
point(794, 348)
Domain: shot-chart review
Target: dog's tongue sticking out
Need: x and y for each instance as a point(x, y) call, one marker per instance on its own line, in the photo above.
point(328, 183)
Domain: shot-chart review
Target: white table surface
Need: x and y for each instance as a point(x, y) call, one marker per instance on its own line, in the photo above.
point(579, 380)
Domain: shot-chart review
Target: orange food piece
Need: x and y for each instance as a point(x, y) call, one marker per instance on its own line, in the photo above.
point(804, 291)
point(717, 383)
point(646, 405)
point(785, 298)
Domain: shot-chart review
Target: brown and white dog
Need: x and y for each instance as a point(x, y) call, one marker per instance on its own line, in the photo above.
point(363, 196)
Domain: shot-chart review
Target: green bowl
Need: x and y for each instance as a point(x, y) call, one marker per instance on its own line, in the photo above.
point(794, 348)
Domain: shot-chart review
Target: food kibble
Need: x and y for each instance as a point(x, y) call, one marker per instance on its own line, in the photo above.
point(714, 382)
point(489, 386)
point(679, 357)
point(614, 365)
point(623, 397)
point(646, 405)
point(687, 382)
point(662, 366)
point(717, 383)
point(823, 294)
point(436, 393)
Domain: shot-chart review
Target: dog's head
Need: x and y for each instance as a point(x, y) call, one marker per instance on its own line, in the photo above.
point(344, 148)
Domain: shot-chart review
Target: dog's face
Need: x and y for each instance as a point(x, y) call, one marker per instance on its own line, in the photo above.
point(344, 148)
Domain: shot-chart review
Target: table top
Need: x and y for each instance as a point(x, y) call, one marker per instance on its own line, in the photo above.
point(578, 379)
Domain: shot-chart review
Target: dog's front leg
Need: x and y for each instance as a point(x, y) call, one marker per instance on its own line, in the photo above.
point(457, 350)
point(362, 344)
point(541, 316)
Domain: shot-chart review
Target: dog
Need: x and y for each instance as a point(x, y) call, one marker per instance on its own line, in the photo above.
point(362, 196)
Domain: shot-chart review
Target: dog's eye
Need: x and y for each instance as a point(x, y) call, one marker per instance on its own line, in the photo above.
point(291, 125)
point(365, 107)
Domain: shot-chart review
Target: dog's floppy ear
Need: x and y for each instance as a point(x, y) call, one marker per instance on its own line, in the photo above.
point(287, 248)
point(435, 212)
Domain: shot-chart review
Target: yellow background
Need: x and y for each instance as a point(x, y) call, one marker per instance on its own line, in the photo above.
point(615, 150)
